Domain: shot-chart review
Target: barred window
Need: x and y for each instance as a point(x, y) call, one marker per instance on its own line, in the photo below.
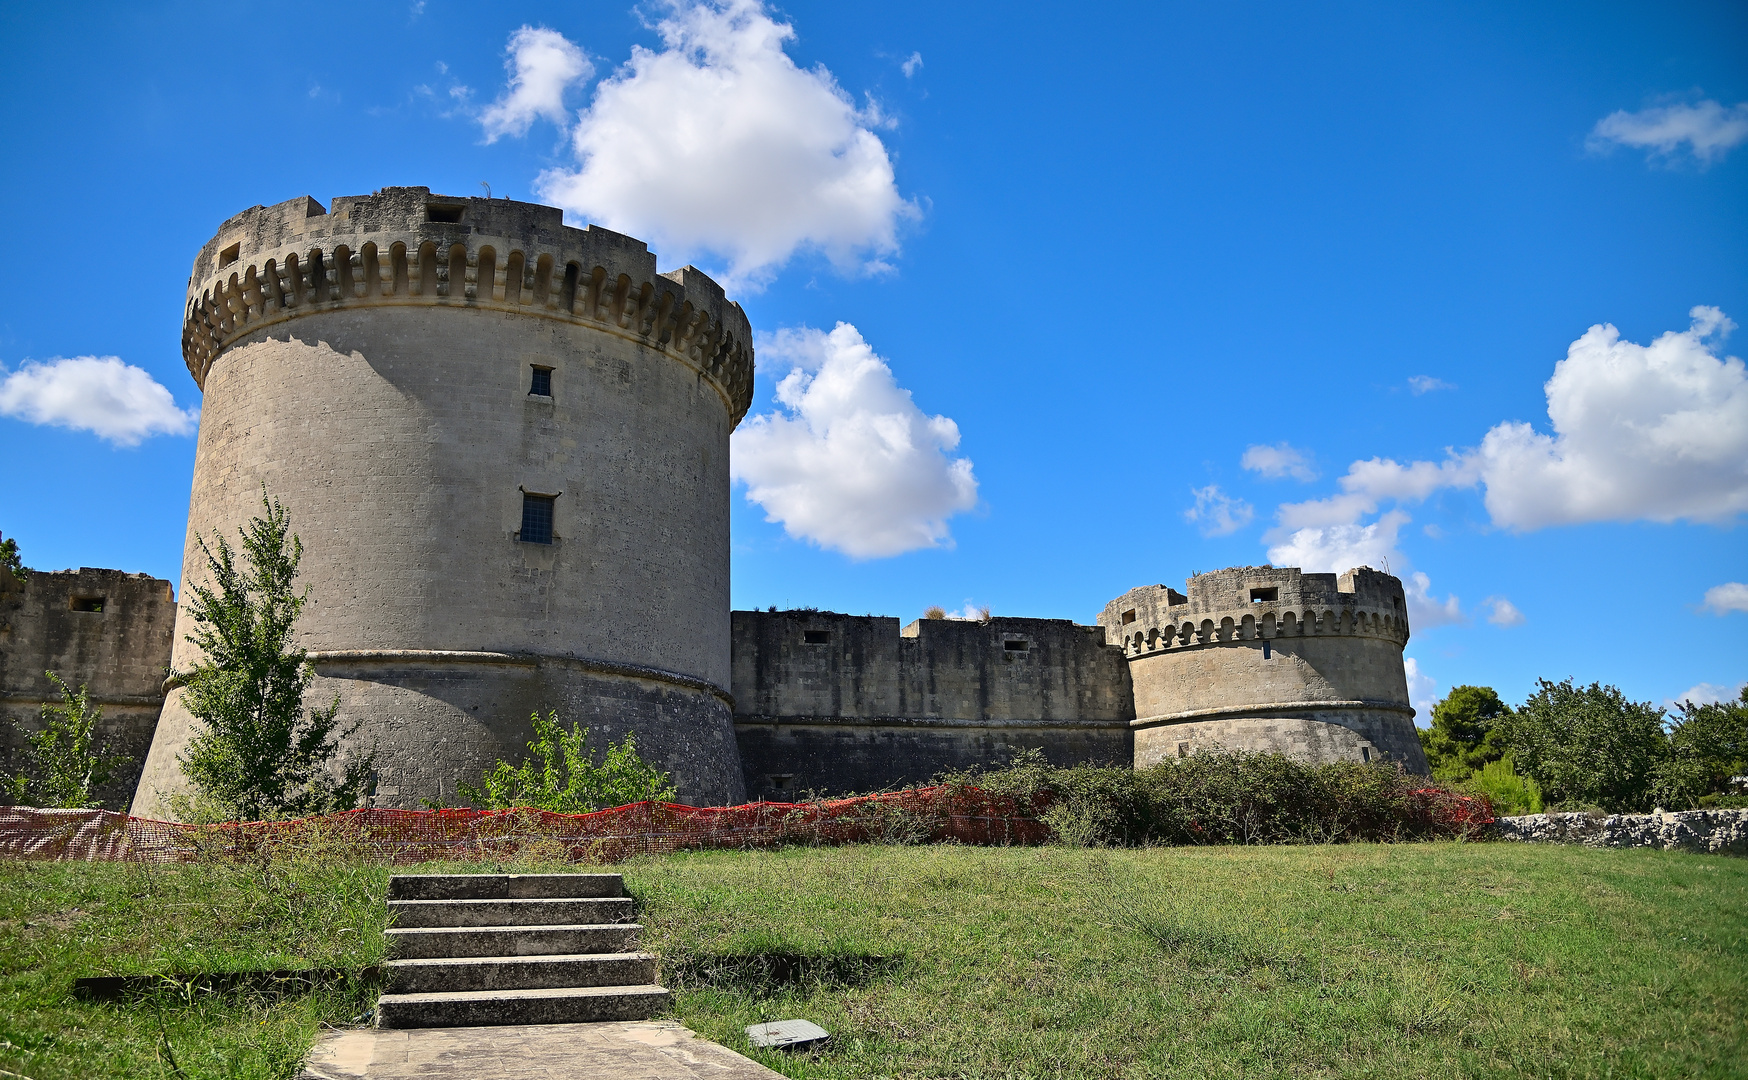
point(541, 384)
point(536, 519)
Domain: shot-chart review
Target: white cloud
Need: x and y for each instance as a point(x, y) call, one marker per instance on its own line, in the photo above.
point(1708, 129)
point(1337, 546)
point(1426, 384)
point(542, 66)
point(848, 461)
point(718, 146)
point(1656, 431)
point(1425, 610)
point(100, 394)
point(1279, 460)
point(1725, 598)
point(1217, 513)
point(1422, 691)
point(1504, 612)
point(910, 66)
point(1706, 693)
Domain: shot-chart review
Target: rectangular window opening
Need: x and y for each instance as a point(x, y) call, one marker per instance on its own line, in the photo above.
point(449, 213)
point(816, 637)
point(1128, 616)
point(541, 383)
point(230, 255)
point(1258, 596)
point(1266, 651)
point(1016, 646)
point(536, 519)
point(88, 603)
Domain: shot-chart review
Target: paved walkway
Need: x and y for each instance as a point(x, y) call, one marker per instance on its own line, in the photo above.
point(642, 1050)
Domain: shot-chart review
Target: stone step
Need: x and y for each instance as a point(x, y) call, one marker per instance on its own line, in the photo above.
point(520, 972)
point(503, 886)
point(565, 912)
point(572, 1005)
point(440, 942)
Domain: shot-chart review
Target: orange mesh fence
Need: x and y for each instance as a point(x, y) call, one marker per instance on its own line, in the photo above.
point(934, 814)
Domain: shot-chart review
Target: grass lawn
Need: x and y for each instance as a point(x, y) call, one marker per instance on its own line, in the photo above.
point(1411, 960)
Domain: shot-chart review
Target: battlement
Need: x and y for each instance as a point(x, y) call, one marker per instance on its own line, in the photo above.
point(406, 246)
point(1250, 602)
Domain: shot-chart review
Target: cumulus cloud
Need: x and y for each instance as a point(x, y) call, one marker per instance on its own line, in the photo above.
point(1706, 693)
point(99, 394)
point(717, 147)
point(1425, 610)
point(910, 66)
point(1335, 546)
point(1217, 513)
point(1708, 130)
point(1656, 432)
point(1504, 612)
point(1725, 598)
point(542, 66)
point(1274, 462)
point(1422, 691)
point(847, 460)
point(1426, 384)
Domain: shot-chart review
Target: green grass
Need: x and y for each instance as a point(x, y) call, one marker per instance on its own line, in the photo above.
point(1411, 960)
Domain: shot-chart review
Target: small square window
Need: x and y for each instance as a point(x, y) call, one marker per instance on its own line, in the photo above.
point(88, 603)
point(447, 213)
point(1012, 645)
point(229, 255)
point(816, 637)
point(1128, 616)
point(1260, 596)
point(541, 384)
point(536, 519)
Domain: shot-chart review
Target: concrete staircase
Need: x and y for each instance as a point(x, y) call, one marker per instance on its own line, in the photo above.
point(476, 949)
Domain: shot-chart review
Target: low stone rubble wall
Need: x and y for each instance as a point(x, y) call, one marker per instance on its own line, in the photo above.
point(1718, 832)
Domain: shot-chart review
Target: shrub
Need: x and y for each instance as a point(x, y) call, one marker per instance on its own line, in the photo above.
point(1504, 789)
point(64, 765)
point(1708, 750)
point(1588, 745)
point(261, 753)
point(1230, 797)
point(563, 777)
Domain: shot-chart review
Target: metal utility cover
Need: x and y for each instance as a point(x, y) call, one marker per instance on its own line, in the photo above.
point(787, 1034)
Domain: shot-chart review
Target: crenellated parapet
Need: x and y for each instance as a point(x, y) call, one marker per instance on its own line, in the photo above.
point(405, 246)
point(1251, 603)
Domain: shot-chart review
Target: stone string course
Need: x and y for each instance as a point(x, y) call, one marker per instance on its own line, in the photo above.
point(1716, 832)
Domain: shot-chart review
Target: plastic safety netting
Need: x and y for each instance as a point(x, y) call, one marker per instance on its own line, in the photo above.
point(921, 815)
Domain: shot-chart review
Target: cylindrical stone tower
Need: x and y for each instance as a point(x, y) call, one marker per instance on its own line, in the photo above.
point(1267, 658)
point(504, 444)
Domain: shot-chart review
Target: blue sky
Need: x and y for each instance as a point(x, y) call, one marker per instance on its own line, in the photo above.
point(1128, 294)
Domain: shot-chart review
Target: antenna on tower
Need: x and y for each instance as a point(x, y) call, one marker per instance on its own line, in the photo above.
point(488, 188)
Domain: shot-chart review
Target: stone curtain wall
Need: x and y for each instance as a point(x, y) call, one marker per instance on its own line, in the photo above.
point(1716, 832)
point(121, 652)
point(833, 703)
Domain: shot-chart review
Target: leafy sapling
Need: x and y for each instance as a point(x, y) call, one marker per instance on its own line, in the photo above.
point(65, 764)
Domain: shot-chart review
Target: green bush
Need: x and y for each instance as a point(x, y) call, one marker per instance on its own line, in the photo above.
point(1223, 797)
point(562, 775)
point(1508, 792)
point(64, 764)
point(1708, 749)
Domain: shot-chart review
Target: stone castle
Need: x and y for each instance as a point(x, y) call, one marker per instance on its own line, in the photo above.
point(504, 442)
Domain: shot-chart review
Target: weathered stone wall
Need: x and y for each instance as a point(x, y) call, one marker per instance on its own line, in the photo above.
point(834, 703)
point(1717, 832)
point(1263, 650)
point(372, 367)
point(104, 629)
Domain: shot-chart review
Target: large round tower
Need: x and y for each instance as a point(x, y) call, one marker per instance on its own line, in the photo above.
point(1268, 658)
point(504, 444)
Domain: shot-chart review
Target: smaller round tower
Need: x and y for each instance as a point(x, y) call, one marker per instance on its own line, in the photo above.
point(1269, 659)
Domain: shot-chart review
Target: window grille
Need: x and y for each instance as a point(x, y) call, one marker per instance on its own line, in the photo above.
point(536, 519)
point(541, 384)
